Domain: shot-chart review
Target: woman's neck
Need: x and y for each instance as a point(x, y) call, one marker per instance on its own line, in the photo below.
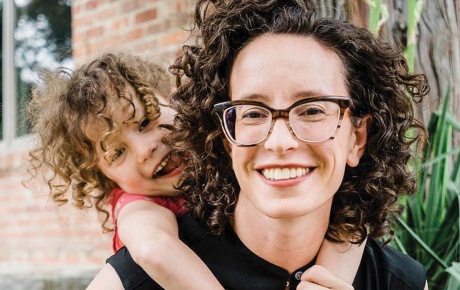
point(289, 243)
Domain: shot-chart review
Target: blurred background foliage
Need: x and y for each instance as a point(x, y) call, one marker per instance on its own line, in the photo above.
point(42, 38)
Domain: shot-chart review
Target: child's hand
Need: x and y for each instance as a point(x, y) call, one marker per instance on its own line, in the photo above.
point(318, 277)
point(342, 259)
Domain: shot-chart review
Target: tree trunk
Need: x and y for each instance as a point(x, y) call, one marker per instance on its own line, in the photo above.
point(438, 55)
point(438, 44)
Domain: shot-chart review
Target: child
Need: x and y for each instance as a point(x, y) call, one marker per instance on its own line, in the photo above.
point(101, 131)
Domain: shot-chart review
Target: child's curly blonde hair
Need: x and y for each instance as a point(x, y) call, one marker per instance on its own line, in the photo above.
point(66, 103)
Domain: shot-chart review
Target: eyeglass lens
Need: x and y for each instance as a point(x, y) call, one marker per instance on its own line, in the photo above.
point(310, 122)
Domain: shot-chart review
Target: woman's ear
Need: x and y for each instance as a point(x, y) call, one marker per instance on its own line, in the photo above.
point(359, 140)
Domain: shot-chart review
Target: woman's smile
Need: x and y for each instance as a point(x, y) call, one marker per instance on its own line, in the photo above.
point(283, 173)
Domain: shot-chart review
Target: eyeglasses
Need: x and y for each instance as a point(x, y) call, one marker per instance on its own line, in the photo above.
point(312, 120)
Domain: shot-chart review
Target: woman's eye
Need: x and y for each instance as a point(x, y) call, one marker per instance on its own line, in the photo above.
point(143, 124)
point(310, 113)
point(254, 114)
point(310, 110)
point(314, 111)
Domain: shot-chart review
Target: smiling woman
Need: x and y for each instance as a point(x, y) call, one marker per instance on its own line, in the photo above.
point(287, 167)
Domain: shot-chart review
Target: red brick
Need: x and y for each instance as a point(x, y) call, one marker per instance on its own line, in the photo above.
point(159, 27)
point(92, 4)
point(174, 38)
point(95, 32)
point(119, 23)
point(147, 15)
point(135, 34)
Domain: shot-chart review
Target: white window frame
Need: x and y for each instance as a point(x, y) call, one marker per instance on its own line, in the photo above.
point(10, 140)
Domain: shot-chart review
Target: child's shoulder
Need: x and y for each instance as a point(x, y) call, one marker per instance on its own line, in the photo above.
point(120, 198)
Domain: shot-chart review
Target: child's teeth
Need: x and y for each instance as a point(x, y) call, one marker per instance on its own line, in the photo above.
point(162, 164)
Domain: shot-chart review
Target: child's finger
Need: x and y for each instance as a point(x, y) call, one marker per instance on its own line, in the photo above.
point(310, 286)
point(318, 277)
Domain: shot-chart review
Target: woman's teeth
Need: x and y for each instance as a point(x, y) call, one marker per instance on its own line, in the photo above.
point(284, 173)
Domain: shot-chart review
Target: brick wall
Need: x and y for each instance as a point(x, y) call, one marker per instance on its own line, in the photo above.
point(34, 232)
point(145, 26)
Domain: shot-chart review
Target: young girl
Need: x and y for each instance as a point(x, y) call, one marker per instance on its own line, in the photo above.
point(102, 139)
point(101, 131)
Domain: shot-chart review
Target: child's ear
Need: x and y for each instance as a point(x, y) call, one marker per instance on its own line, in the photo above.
point(359, 140)
point(227, 146)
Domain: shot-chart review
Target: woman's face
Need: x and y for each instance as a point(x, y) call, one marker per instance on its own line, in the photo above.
point(278, 70)
point(136, 158)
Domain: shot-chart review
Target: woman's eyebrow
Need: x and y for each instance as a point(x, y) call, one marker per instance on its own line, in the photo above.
point(310, 93)
point(297, 95)
point(253, 97)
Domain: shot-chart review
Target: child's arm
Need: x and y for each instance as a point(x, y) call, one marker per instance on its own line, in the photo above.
point(107, 278)
point(150, 233)
point(342, 259)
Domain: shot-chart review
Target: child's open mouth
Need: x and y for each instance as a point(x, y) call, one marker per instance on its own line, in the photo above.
point(168, 165)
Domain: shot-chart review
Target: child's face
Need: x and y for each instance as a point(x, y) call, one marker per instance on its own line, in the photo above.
point(136, 157)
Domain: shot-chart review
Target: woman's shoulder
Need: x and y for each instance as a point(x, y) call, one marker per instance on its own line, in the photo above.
point(391, 268)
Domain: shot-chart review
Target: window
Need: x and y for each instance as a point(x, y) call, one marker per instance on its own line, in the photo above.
point(35, 33)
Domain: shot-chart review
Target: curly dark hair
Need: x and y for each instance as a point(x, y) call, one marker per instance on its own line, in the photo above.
point(377, 78)
point(65, 103)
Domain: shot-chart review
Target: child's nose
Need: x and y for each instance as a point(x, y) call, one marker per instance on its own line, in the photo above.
point(145, 151)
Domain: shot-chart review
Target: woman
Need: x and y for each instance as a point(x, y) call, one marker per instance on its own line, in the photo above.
point(313, 142)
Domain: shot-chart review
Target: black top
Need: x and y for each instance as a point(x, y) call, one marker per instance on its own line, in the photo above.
point(236, 267)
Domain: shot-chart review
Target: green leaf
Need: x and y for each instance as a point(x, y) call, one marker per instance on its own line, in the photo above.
point(454, 277)
point(423, 244)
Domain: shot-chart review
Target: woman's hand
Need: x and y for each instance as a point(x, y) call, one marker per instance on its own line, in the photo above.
point(318, 277)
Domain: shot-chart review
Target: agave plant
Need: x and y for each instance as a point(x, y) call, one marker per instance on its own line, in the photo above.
point(428, 229)
point(430, 224)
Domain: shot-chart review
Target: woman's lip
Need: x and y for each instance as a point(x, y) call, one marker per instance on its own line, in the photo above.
point(261, 167)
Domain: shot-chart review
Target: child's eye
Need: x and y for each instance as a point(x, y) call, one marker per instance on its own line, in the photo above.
point(143, 124)
point(114, 154)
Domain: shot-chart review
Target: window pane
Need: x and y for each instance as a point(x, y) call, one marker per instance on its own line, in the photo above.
point(43, 40)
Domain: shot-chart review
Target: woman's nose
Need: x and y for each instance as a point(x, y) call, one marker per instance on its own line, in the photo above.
point(281, 138)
